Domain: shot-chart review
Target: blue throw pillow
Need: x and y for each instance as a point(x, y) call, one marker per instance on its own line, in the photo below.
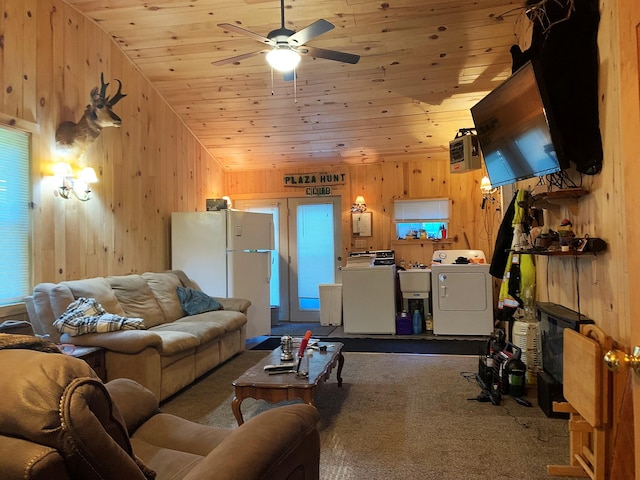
point(195, 301)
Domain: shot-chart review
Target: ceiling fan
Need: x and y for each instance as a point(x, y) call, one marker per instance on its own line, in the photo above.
point(287, 45)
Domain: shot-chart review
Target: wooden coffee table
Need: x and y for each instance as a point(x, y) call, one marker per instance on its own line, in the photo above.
point(256, 383)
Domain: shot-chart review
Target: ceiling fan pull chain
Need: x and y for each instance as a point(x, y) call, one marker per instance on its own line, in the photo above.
point(272, 94)
point(295, 86)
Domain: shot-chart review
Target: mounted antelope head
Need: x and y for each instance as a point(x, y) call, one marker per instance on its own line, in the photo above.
point(73, 139)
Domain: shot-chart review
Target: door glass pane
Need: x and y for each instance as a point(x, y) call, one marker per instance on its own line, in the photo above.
point(274, 284)
point(315, 237)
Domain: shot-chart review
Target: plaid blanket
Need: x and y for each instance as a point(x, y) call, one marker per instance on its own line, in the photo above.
point(86, 315)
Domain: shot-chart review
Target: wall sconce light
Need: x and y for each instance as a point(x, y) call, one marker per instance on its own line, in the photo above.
point(485, 186)
point(359, 206)
point(487, 191)
point(227, 199)
point(74, 185)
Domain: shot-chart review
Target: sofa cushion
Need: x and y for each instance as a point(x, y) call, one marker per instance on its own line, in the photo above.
point(195, 301)
point(60, 297)
point(174, 342)
point(163, 285)
point(99, 289)
point(184, 279)
point(44, 314)
point(204, 331)
point(137, 299)
point(227, 319)
point(135, 402)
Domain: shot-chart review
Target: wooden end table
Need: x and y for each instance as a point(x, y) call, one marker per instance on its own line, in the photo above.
point(94, 357)
point(256, 383)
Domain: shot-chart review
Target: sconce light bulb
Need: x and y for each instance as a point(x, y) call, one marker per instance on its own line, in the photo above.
point(88, 175)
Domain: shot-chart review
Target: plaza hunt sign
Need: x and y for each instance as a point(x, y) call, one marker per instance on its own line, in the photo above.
point(315, 184)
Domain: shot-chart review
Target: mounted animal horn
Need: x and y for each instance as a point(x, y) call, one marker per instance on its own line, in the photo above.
point(73, 139)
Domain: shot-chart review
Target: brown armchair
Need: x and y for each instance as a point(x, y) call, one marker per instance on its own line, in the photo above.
point(59, 421)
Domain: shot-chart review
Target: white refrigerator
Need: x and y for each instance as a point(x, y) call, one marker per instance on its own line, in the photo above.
point(228, 254)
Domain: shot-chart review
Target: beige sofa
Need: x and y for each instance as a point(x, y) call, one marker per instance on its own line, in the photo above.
point(172, 352)
point(59, 422)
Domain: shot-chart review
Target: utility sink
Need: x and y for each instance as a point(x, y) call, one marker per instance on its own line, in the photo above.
point(415, 280)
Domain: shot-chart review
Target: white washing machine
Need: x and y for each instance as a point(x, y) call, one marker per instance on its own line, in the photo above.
point(462, 293)
point(369, 299)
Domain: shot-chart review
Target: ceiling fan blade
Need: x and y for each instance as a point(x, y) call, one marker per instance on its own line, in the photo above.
point(246, 33)
point(312, 31)
point(329, 54)
point(238, 58)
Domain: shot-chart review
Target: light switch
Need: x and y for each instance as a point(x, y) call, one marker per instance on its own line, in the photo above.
point(238, 230)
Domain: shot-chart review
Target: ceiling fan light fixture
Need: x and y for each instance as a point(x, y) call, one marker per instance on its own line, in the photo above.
point(283, 59)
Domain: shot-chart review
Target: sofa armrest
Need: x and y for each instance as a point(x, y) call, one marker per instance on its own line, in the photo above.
point(234, 304)
point(25, 459)
point(135, 403)
point(274, 444)
point(122, 341)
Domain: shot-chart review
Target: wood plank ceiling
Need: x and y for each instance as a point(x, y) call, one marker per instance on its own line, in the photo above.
point(423, 64)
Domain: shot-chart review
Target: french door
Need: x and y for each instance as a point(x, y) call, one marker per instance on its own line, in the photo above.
point(314, 246)
point(308, 245)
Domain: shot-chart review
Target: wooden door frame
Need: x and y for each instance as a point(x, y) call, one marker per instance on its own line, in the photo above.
point(628, 24)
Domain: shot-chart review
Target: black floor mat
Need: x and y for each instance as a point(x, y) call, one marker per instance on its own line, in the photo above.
point(394, 345)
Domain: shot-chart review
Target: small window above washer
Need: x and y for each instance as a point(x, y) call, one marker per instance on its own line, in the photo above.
point(422, 218)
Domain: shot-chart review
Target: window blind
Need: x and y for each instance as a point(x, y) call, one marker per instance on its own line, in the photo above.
point(419, 210)
point(15, 245)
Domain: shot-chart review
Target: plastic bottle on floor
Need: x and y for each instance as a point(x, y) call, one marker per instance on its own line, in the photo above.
point(417, 322)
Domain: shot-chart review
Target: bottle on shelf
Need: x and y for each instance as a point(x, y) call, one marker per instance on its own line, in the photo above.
point(417, 322)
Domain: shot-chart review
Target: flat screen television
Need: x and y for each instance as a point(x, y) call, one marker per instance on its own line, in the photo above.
point(516, 130)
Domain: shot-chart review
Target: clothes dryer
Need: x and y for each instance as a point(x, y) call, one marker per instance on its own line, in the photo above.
point(462, 293)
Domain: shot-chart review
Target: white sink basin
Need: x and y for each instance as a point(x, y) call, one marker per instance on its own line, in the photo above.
point(415, 280)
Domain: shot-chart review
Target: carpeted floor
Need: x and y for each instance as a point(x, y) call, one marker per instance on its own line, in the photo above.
point(402, 417)
point(397, 345)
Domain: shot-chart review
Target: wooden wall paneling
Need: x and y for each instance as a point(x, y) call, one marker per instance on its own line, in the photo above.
point(29, 48)
point(392, 184)
point(43, 215)
point(5, 20)
point(428, 178)
point(182, 173)
point(362, 182)
point(12, 86)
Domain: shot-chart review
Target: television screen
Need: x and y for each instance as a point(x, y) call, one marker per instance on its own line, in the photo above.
point(516, 131)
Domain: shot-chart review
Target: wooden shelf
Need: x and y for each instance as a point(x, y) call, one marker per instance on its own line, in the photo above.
point(567, 197)
point(544, 253)
point(425, 241)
